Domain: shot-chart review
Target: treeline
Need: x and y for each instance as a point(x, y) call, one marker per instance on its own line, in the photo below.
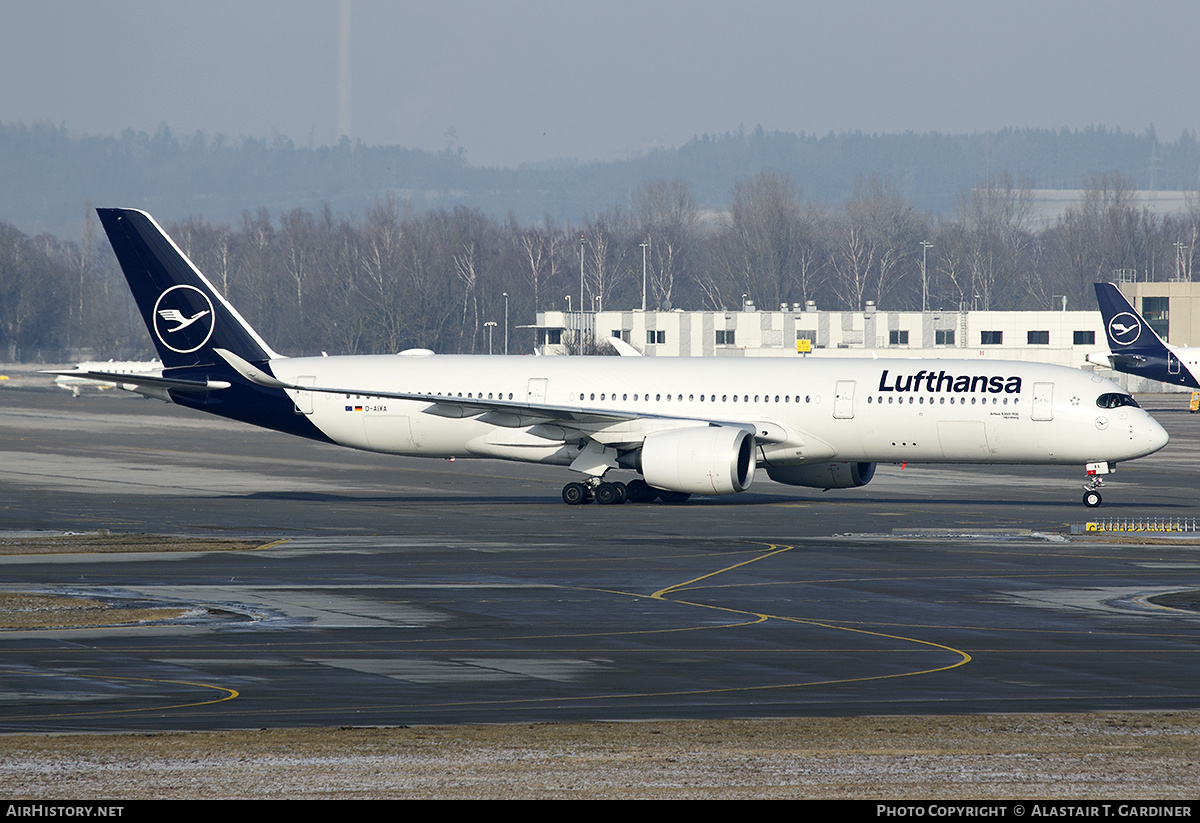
point(63, 297)
point(46, 172)
point(395, 278)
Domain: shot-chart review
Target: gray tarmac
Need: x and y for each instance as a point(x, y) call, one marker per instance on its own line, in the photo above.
point(395, 591)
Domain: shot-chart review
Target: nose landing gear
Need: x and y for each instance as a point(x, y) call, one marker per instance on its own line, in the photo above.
point(1091, 489)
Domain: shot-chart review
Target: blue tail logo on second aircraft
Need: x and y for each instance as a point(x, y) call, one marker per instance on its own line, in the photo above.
point(1125, 328)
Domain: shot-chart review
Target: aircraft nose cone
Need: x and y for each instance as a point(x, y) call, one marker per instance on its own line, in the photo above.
point(1157, 436)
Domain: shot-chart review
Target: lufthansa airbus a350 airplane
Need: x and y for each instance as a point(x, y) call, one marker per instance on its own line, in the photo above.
point(686, 425)
point(1136, 349)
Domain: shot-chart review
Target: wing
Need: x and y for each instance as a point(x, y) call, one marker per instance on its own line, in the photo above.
point(619, 429)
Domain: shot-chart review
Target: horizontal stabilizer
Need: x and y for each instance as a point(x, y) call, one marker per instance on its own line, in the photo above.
point(165, 383)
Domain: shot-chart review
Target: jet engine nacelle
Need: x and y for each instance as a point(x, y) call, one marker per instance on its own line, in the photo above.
point(710, 460)
point(824, 475)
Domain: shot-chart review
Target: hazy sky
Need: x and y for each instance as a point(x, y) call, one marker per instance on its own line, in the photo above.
point(524, 81)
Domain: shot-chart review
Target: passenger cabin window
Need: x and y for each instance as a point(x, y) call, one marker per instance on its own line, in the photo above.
point(1114, 401)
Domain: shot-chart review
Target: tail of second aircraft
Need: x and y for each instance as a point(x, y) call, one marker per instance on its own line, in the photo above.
point(1127, 332)
point(187, 317)
point(1136, 348)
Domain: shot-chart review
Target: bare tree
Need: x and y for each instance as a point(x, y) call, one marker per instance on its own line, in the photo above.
point(540, 251)
point(1107, 231)
point(668, 217)
point(876, 234)
point(466, 265)
point(608, 243)
point(764, 252)
point(995, 217)
point(852, 262)
point(297, 235)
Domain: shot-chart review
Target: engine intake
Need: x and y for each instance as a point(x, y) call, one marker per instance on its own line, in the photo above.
point(824, 475)
point(709, 460)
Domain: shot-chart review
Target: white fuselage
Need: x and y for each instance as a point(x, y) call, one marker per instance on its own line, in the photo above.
point(803, 411)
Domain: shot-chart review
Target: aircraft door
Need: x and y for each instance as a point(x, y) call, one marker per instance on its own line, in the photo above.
point(304, 399)
point(843, 400)
point(1172, 363)
point(1043, 401)
point(536, 390)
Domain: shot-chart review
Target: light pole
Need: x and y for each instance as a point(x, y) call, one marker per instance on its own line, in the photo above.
point(644, 246)
point(506, 322)
point(489, 325)
point(925, 247)
point(582, 305)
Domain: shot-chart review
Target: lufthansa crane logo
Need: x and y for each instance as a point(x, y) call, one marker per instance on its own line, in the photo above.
point(1125, 328)
point(183, 319)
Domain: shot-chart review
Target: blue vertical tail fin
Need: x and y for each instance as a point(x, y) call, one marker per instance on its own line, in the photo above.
point(1127, 332)
point(1136, 348)
point(186, 316)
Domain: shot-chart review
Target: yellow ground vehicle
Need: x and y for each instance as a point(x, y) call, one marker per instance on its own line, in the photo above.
point(1194, 403)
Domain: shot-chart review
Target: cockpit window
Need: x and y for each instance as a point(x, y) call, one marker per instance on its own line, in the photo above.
point(1113, 401)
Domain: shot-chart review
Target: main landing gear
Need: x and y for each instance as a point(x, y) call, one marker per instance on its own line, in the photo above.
point(614, 493)
point(606, 494)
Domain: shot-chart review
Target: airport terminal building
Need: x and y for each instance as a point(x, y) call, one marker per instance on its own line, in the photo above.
point(1064, 338)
